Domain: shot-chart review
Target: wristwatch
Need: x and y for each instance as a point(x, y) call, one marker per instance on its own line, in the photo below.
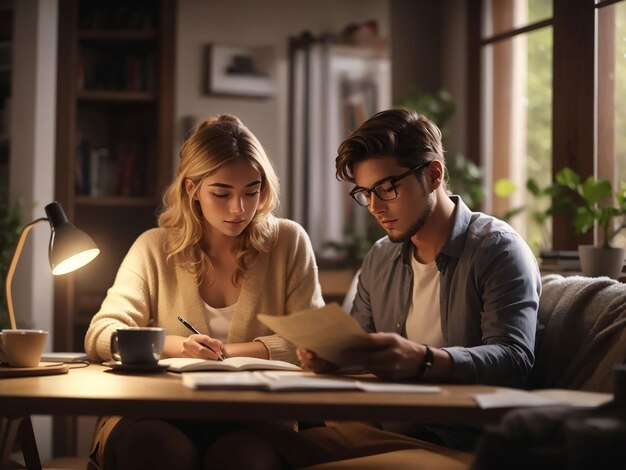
point(427, 362)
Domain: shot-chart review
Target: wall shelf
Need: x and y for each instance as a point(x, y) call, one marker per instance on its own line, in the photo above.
point(116, 96)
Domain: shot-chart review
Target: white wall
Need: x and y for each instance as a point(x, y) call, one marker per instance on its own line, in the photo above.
point(267, 22)
point(33, 117)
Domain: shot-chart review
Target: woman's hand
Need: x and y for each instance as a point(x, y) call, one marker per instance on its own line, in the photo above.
point(310, 361)
point(203, 347)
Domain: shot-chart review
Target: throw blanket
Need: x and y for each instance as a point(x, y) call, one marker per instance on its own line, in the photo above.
point(555, 437)
point(583, 334)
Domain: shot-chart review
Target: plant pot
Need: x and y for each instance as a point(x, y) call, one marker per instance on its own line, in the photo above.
point(598, 261)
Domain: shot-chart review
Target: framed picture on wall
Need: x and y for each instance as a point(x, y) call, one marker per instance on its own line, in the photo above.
point(239, 71)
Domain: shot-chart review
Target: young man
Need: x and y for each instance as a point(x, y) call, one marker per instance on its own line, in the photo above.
point(449, 295)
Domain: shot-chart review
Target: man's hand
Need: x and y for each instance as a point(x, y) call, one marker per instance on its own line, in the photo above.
point(310, 361)
point(203, 347)
point(390, 357)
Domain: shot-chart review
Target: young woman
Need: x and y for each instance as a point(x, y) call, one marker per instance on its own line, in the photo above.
point(218, 258)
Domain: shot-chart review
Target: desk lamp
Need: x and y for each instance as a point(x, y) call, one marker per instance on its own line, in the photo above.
point(69, 249)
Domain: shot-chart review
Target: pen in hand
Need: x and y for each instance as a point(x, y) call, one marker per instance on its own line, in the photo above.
point(190, 327)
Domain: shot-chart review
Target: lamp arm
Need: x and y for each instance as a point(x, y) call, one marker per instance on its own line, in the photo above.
point(12, 266)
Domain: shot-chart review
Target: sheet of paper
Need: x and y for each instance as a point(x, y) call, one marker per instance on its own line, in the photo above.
point(513, 398)
point(221, 380)
point(328, 331)
point(386, 387)
point(284, 381)
point(265, 381)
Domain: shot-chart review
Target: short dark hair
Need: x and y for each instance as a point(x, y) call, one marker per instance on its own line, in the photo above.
point(411, 138)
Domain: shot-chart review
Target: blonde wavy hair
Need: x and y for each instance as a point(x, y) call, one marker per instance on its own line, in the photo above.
point(216, 142)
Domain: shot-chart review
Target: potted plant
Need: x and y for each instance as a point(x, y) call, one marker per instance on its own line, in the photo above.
point(592, 202)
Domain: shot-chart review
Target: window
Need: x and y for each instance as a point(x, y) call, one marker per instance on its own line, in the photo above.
point(516, 122)
point(611, 99)
point(551, 91)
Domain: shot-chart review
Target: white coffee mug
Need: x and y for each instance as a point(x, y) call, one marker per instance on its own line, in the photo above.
point(23, 348)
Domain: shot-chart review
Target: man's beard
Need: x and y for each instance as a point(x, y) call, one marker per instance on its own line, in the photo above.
point(419, 222)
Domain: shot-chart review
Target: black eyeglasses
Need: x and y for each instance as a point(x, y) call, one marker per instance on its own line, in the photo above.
point(385, 189)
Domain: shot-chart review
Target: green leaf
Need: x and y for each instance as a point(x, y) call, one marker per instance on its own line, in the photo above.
point(504, 187)
point(584, 220)
point(594, 191)
point(568, 177)
point(533, 187)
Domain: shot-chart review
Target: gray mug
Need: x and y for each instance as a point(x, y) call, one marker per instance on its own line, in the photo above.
point(137, 345)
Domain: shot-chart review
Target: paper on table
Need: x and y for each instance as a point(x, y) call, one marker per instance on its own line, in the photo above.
point(290, 381)
point(515, 398)
point(386, 387)
point(264, 381)
point(284, 379)
point(328, 331)
point(510, 399)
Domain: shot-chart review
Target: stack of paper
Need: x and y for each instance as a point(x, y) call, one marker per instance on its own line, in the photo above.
point(284, 381)
point(522, 398)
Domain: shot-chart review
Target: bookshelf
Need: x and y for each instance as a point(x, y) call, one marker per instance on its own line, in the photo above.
point(114, 138)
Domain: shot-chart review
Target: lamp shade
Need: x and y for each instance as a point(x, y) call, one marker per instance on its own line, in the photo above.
point(70, 248)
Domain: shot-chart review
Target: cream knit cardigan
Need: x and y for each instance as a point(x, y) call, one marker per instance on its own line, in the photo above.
point(147, 290)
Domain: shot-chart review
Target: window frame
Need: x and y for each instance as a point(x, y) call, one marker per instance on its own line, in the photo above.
point(574, 116)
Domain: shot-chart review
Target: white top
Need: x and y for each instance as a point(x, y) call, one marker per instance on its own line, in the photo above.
point(423, 323)
point(219, 320)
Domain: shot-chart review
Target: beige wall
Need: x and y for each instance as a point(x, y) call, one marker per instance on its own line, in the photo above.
point(243, 22)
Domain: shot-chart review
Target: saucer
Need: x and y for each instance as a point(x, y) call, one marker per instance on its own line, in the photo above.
point(143, 368)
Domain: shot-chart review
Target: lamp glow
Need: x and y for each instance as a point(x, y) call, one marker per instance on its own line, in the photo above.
point(69, 249)
point(75, 262)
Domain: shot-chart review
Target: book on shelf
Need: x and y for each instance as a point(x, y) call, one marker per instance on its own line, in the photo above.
point(129, 179)
point(187, 364)
point(100, 70)
point(291, 381)
point(100, 172)
point(327, 331)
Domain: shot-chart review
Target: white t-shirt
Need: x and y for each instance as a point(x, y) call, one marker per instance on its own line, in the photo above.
point(219, 320)
point(423, 323)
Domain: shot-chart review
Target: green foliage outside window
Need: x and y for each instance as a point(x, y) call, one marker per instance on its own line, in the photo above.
point(464, 177)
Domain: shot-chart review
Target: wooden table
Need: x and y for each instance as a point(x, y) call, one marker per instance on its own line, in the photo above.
point(96, 390)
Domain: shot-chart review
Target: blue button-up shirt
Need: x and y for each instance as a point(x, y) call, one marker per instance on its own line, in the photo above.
point(489, 295)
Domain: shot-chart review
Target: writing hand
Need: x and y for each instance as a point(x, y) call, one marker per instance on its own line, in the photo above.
point(203, 347)
point(310, 361)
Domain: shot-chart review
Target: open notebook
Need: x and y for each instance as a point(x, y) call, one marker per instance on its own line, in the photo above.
point(185, 364)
